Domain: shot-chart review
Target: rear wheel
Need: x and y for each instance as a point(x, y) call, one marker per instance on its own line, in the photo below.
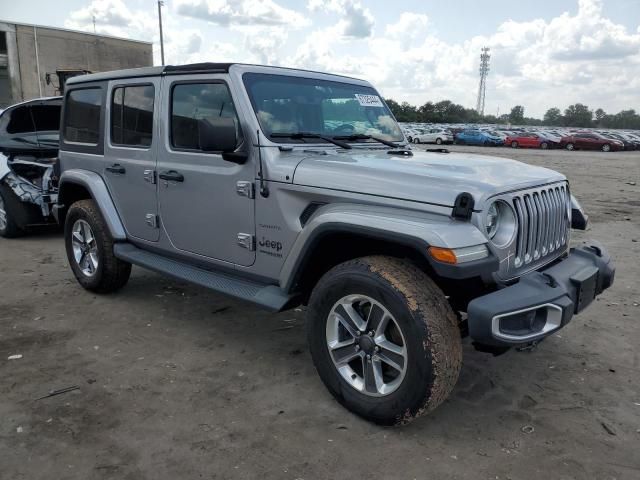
point(8, 226)
point(438, 141)
point(606, 147)
point(514, 144)
point(416, 140)
point(90, 250)
point(384, 339)
point(570, 146)
point(544, 145)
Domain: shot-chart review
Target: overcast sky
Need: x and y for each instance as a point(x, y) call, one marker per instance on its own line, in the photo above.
point(545, 53)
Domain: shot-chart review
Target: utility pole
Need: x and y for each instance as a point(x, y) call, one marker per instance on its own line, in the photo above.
point(484, 71)
point(160, 4)
point(94, 24)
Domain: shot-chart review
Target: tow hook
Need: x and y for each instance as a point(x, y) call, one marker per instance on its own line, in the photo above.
point(529, 347)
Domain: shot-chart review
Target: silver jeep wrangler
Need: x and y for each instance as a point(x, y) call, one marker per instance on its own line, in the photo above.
point(284, 187)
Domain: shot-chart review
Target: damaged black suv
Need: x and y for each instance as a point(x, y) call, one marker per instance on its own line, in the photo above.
point(29, 134)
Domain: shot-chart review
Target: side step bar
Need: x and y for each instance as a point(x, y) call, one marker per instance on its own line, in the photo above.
point(270, 297)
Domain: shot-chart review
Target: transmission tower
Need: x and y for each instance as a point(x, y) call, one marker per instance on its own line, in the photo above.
point(484, 71)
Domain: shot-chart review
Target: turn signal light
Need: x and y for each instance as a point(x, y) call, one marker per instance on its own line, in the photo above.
point(444, 255)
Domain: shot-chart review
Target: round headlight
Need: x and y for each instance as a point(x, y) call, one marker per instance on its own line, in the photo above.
point(500, 223)
point(493, 220)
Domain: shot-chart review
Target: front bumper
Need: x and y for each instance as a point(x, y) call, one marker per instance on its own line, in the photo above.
point(542, 302)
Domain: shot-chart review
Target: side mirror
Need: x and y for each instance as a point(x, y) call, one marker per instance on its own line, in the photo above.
point(217, 134)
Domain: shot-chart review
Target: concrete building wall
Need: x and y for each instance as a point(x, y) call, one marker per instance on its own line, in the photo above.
point(39, 51)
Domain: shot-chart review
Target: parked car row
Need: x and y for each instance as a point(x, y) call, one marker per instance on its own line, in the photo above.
point(524, 137)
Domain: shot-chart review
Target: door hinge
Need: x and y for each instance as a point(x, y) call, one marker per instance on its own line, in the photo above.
point(248, 241)
point(151, 219)
point(149, 176)
point(246, 189)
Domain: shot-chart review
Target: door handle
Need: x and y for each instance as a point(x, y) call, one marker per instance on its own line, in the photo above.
point(116, 168)
point(171, 176)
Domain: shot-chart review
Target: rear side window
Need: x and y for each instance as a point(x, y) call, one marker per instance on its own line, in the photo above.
point(46, 117)
point(82, 116)
point(132, 115)
point(193, 102)
point(20, 121)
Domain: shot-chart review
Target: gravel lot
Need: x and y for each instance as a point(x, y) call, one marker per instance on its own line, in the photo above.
point(176, 382)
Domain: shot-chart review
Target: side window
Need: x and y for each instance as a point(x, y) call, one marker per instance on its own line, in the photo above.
point(192, 104)
point(82, 116)
point(132, 115)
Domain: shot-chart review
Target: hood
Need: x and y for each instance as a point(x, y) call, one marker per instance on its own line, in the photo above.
point(435, 178)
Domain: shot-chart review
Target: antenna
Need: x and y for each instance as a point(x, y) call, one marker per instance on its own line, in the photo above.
point(484, 71)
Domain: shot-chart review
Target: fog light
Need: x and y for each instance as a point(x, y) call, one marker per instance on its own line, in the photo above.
point(523, 325)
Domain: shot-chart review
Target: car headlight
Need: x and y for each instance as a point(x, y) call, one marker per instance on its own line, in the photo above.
point(500, 223)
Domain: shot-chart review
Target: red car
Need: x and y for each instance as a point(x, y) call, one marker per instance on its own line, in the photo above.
point(591, 141)
point(530, 140)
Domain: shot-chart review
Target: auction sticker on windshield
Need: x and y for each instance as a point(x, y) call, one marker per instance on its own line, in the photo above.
point(368, 100)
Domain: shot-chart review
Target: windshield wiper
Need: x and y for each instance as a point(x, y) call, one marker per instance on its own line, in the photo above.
point(303, 135)
point(361, 136)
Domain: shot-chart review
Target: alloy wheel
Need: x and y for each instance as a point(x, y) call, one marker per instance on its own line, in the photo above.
point(366, 345)
point(85, 248)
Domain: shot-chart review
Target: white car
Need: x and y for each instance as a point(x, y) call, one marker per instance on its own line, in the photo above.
point(434, 135)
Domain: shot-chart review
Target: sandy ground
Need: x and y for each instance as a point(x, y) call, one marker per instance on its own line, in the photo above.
point(176, 382)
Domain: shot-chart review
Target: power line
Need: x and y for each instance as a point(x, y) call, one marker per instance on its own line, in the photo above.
point(484, 71)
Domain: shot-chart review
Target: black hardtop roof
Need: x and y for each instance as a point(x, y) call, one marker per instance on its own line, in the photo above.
point(204, 67)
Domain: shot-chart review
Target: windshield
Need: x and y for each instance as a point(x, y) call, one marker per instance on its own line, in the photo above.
point(286, 104)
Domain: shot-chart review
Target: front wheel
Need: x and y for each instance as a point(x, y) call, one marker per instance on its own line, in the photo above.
point(416, 141)
point(606, 147)
point(544, 145)
point(438, 141)
point(384, 339)
point(570, 146)
point(89, 248)
point(514, 144)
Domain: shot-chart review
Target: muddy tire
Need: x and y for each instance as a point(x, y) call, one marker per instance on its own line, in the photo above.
point(9, 228)
point(420, 336)
point(89, 248)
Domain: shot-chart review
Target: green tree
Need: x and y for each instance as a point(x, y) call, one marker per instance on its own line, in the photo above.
point(578, 115)
point(553, 117)
point(624, 119)
point(427, 112)
point(517, 115)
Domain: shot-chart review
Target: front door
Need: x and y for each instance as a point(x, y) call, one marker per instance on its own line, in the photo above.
point(131, 143)
point(201, 207)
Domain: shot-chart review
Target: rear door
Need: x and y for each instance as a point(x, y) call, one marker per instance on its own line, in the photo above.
point(202, 207)
point(131, 143)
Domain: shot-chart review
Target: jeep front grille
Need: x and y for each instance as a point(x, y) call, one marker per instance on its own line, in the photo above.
point(543, 223)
